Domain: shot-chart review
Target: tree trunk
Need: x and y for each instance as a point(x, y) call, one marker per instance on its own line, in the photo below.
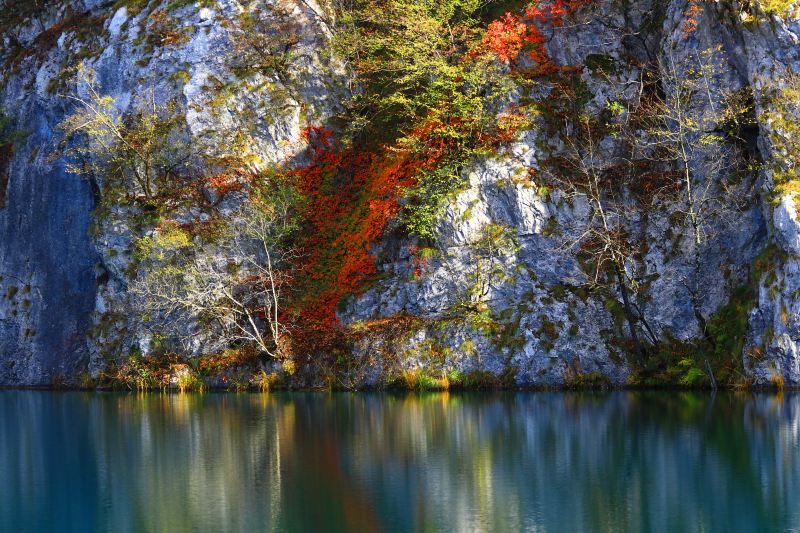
point(630, 315)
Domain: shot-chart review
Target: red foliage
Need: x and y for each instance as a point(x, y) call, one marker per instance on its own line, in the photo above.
point(352, 193)
point(507, 36)
point(691, 21)
point(556, 13)
point(351, 196)
point(509, 123)
point(225, 182)
point(216, 363)
point(418, 261)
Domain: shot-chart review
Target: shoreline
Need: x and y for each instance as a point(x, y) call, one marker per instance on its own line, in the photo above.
point(400, 390)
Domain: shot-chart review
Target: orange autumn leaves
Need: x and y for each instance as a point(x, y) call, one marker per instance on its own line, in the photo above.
point(691, 20)
point(506, 37)
point(512, 33)
point(352, 195)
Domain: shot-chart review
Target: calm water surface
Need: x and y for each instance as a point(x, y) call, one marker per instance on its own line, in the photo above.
point(367, 462)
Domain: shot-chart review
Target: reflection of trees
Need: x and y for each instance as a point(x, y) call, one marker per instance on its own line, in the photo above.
point(546, 461)
point(147, 463)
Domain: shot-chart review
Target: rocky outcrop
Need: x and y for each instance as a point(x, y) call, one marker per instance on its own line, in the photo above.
point(499, 293)
point(548, 330)
point(64, 270)
point(47, 258)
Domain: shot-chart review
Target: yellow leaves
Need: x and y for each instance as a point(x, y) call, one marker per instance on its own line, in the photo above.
point(105, 102)
point(786, 184)
point(495, 239)
point(710, 139)
point(137, 156)
point(162, 244)
point(615, 107)
point(777, 379)
point(289, 366)
point(784, 131)
point(171, 238)
point(266, 381)
point(780, 8)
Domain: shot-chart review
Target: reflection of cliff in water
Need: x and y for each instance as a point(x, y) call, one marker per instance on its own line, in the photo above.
point(557, 462)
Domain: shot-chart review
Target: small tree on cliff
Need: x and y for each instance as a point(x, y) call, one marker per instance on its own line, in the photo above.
point(263, 42)
point(137, 156)
point(692, 131)
point(781, 114)
point(488, 251)
point(238, 286)
point(424, 86)
point(601, 177)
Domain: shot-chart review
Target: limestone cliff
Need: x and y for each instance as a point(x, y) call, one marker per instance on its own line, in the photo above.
point(521, 309)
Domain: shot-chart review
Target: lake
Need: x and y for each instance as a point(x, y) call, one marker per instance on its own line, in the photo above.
point(539, 461)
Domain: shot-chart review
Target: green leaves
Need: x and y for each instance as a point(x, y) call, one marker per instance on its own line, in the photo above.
point(421, 88)
point(411, 61)
point(422, 210)
point(8, 134)
point(693, 374)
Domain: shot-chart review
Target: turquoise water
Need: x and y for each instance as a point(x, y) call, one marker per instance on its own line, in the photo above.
point(555, 462)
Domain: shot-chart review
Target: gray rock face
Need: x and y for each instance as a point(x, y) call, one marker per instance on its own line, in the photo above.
point(66, 304)
point(765, 56)
point(46, 261)
point(539, 292)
